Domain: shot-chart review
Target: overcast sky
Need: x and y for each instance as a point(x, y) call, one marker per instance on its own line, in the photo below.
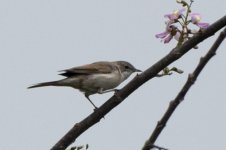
point(40, 37)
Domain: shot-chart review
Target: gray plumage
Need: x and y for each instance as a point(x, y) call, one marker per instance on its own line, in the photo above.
point(98, 77)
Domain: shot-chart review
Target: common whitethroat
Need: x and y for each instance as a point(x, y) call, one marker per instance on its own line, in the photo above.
point(98, 77)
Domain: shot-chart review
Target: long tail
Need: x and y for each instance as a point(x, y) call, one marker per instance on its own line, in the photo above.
point(52, 83)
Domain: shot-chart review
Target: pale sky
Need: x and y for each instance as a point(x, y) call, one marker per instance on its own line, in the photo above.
point(40, 37)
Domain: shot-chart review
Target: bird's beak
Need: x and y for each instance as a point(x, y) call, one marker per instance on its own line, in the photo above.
point(137, 70)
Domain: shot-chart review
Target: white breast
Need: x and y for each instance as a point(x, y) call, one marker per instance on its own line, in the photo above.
point(104, 81)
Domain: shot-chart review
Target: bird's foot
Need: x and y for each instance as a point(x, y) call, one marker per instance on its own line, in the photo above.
point(116, 95)
point(95, 109)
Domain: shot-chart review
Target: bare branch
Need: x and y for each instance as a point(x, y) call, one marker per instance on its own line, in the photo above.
point(180, 97)
point(151, 72)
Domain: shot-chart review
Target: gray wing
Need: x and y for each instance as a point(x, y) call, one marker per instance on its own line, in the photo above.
point(98, 67)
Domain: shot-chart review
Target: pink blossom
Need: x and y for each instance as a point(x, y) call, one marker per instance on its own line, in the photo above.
point(175, 15)
point(169, 33)
point(196, 18)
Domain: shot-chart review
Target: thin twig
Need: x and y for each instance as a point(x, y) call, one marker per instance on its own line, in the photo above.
point(139, 80)
point(180, 97)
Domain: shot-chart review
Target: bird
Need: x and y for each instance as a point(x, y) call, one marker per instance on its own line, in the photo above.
point(98, 77)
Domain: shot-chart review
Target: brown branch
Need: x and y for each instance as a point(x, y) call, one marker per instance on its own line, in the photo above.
point(151, 72)
point(180, 97)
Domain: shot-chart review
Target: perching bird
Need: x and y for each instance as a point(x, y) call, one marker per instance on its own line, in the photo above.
point(99, 77)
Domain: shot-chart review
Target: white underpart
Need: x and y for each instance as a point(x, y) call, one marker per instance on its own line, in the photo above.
point(104, 81)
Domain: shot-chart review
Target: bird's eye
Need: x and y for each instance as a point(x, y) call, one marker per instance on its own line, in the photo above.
point(126, 67)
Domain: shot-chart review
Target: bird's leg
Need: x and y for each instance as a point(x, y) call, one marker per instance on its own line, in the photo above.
point(87, 96)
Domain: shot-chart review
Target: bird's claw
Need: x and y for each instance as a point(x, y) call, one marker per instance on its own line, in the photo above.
point(116, 95)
